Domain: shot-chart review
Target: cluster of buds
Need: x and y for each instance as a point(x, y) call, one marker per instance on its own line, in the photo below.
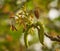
point(22, 16)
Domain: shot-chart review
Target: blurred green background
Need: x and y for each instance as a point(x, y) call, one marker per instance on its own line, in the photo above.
point(15, 15)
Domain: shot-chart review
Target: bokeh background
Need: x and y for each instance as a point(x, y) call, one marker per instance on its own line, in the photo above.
point(12, 25)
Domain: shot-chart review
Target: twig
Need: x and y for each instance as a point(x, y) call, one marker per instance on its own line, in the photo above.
point(52, 38)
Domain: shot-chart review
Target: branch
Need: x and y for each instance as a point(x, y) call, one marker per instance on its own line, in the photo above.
point(57, 38)
point(53, 38)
